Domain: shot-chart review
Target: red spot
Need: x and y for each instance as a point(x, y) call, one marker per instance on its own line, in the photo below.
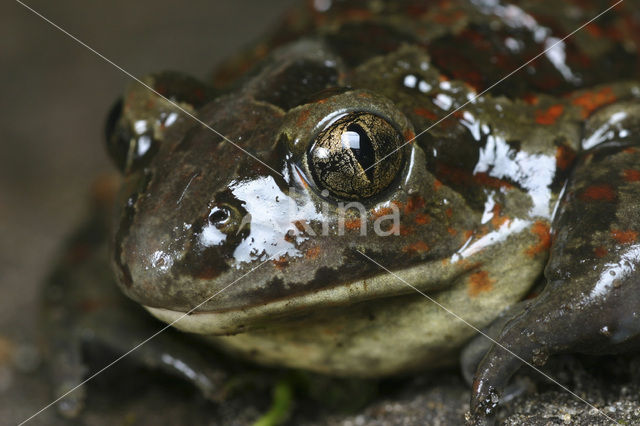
point(452, 231)
point(630, 150)
point(541, 230)
point(486, 180)
point(531, 99)
point(479, 282)
point(549, 116)
point(383, 211)
point(304, 182)
point(419, 247)
point(409, 136)
point(312, 253)
point(602, 192)
point(590, 101)
point(406, 230)
point(631, 175)
point(304, 115)
point(428, 114)
point(280, 263)
point(414, 203)
point(353, 224)
point(600, 251)
point(564, 157)
point(449, 212)
point(422, 219)
point(464, 177)
point(437, 185)
point(497, 220)
point(594, 30)
point(624, 237)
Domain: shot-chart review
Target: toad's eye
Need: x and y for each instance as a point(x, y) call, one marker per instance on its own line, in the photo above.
point(356, 157)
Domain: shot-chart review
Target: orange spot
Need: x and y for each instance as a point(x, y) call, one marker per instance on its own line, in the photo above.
point(423, 112)
point(486, 180)
point(437, 185)
point(479, 282)
point(630, 150)
point(496, 219)
point(452, 231)
point(564, 157)
point(449, 212)
point(353, 224)
point(600, 251)
point(590, 101)
point(304, 182)
point(549, 116)
point(624, 237)
point(599, 192)
point(458, 114)
point(419, 247)
point(409, 136)
point(364, 95)
point(531, 99)
point(414, 203)
point(631, 175)
point(398, 204)
point(468, 234)
point(304, 115)
point(406, 230)
point(280, 263)
point(384, 211)
point(422, 219)
point(312, 253)
point(594, 30)
point(541, 230)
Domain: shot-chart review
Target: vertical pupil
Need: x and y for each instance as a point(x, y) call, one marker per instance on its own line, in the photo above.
point(357, 140)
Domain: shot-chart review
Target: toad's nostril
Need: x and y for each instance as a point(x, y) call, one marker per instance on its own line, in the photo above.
point(226, 218)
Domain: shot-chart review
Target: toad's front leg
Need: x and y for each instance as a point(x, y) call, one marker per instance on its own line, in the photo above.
point(591, 302)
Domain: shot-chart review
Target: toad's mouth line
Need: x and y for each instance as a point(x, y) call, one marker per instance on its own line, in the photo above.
point(433, 277)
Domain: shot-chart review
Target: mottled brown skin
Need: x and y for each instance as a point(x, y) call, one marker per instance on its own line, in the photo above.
point(541, 173)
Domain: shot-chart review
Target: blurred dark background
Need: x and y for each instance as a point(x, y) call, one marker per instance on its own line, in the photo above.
point(55, 95)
